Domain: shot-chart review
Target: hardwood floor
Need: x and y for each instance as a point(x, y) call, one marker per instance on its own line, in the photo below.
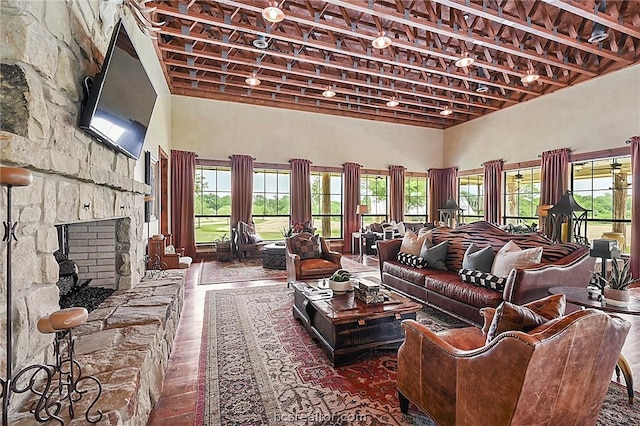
point(177, 403)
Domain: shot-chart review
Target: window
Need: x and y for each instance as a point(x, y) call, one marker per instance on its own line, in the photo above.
point(415, 199)
point(271, 209)
point(604, 187)
point(373, 193)
point(471, 197)
point(521, 196)
point(212, 203)
point(326, 203)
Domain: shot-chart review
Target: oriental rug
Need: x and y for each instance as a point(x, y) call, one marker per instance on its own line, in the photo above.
point(258, 366)
point(214, 272)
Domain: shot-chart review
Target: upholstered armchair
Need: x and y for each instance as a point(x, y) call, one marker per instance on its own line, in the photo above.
point(309, 257)
point(558, 373)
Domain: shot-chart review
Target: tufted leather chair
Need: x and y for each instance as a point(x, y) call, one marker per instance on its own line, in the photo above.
point(558, 373)
point(306, 269)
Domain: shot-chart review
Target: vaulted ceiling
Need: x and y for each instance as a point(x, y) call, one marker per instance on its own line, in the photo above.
point(209, 48)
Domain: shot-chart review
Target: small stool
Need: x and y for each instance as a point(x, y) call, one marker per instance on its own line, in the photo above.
point(67, 375)
point(64, 319)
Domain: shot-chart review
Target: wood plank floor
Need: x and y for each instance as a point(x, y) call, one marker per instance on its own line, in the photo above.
point(177, 403)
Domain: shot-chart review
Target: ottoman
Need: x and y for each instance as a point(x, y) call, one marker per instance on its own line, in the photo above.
point(273, 256)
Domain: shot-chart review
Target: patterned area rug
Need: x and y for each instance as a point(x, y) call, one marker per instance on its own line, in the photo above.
point(258, 366)
point(214, 272)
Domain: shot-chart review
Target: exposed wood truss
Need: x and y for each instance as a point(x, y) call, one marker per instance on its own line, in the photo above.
point(208, 49)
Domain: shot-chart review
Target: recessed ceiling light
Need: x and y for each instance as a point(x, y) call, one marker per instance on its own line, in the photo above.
point(446, 111)
point(382, 41)
point(598, 34)
point(253, 80)
point(464, 61)
point(329, 93)
point(260, 42)
point(273, 13)
point(393, 102)
point(530, 77)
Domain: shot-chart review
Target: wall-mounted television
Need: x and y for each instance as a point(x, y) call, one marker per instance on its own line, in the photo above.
point(119, 101)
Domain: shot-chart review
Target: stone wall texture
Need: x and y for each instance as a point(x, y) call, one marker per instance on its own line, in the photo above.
point(46, 48)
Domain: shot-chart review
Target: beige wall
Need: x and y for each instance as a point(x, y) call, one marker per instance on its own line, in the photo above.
point(216, 130)
point(159, 131)
point(601, 113)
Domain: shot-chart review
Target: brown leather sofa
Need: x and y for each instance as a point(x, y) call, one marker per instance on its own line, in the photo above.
point(299, 269)
point(558, 373)
point(562, 264)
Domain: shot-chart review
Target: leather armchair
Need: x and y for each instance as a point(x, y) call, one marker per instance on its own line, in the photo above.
point(306, 269)
point(558, 373)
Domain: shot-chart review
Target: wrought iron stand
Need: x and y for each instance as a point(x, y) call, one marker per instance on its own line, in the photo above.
point(38, 378)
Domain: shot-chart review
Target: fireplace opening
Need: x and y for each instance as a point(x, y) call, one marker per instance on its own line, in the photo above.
point(87, 259)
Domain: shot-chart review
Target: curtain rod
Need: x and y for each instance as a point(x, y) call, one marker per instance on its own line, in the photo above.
point(253, 158)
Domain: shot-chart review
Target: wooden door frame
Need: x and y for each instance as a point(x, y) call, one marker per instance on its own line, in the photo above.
point(163, 158)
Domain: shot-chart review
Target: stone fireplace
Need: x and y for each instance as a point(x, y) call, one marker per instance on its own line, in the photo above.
point(48, 47)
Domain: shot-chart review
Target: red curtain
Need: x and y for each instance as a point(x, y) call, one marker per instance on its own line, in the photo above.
point(635, 206)
point(396, 193)
point(493, 191)
point(183, 178)
point(554, 175)
point(300, 185)
point(351, 200)
point(241, 189)
point(443, 184)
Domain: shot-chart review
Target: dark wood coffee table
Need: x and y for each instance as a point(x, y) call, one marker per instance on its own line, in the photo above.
point(348, 328)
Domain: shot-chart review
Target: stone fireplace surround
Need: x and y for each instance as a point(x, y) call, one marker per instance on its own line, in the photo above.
point(47, 48)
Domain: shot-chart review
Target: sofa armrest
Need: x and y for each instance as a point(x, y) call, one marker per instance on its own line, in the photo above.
point(387, 250)
point(526, 285)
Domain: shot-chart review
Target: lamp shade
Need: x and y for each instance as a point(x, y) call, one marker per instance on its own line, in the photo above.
point(566, 204)
point(362, 209)
point(451, 205)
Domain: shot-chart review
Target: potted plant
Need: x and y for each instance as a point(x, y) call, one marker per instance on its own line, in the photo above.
point(615, 289)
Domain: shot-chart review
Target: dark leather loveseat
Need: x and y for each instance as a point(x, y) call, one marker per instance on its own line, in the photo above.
point(566, 264)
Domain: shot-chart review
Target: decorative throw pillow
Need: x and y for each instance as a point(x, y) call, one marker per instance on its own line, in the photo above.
point(245, 231)
point(411, 243)
point(510, 256)
point(401, 229)
point(483, 279)
point(255, 238)
point(435, 256)
point(170, 249)
point(507, 318)
point(410, 260)
point(478, 259)
point(510, 317)
point(308, 248)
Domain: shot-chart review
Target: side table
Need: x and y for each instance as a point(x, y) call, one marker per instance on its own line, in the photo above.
point(579, 296)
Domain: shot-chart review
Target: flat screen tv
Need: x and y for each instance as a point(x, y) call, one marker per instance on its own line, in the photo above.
point(119, 101)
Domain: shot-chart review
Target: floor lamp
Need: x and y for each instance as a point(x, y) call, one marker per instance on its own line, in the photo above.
point(361, 209)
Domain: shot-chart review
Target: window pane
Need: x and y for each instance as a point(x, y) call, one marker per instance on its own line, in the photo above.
point(212, 203)
point(521, 196)
point(271, 202)
point(326, 203)
point(415, 199)
point(604, 187)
